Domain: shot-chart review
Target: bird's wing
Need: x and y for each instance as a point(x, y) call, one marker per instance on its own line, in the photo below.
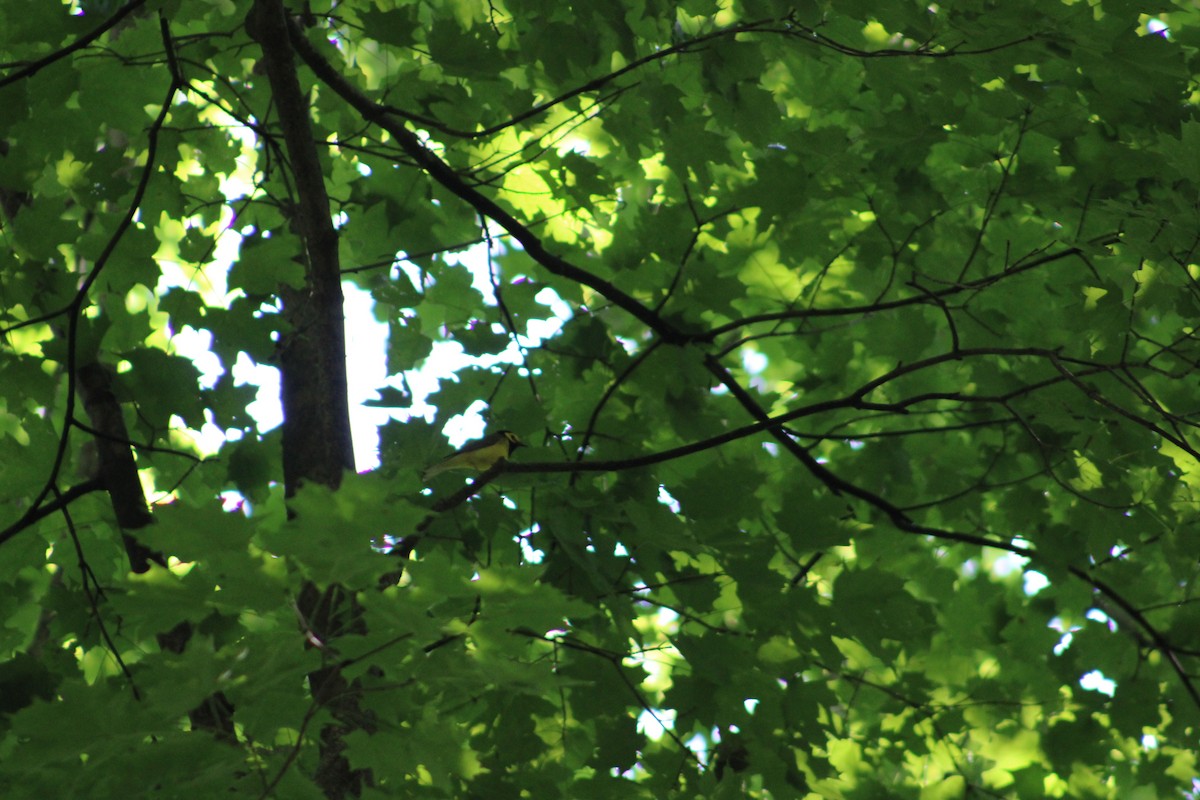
point(450, 461)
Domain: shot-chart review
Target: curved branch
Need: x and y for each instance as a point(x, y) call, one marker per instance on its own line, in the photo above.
point(76, 305)
point(630, 368)
point(440, 171)
point(925, 298)
point(61, 501)
point(592, 85)
point(78, 44)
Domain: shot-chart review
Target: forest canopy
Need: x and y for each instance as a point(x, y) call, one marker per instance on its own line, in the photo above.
point(852, 345)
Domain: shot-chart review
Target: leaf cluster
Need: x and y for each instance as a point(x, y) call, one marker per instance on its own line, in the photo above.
point(854, 343)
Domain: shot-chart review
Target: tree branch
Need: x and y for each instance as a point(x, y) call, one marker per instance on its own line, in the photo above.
point(78, 44)
point(445, 175)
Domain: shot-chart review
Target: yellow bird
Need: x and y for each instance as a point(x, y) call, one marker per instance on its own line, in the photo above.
point(478, 455)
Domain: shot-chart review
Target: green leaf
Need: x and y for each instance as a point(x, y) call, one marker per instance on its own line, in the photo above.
point(264, 266)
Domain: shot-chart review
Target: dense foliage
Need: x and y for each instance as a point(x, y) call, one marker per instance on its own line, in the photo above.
point(854, 344)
